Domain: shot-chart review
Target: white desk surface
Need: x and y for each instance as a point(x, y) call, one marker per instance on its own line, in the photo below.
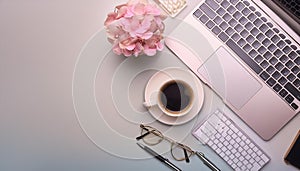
point(39, 46)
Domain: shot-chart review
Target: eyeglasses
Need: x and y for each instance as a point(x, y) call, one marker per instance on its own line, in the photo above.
point(152, 136)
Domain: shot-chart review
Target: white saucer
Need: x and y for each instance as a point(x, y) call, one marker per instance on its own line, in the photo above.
point(154, 84)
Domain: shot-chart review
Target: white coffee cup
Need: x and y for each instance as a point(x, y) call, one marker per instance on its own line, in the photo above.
point(174, 98)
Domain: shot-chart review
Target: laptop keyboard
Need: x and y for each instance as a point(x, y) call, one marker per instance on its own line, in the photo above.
point(258, 41)
point(230, 143)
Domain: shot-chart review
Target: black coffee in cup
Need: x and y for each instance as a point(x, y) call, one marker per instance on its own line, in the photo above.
point(176, 96)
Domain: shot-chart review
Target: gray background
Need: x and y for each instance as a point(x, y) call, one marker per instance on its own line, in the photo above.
point(39, 45)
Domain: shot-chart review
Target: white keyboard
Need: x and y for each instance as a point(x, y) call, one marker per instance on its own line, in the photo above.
point(230, 143)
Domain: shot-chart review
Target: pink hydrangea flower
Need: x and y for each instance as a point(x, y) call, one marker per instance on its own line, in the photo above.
point(135, 28)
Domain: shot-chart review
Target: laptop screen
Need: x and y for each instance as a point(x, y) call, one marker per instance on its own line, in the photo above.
point(291, 7)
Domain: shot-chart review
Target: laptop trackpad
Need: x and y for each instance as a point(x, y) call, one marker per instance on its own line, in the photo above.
point(229, 79)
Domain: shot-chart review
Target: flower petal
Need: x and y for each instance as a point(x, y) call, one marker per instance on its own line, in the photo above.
point(149, 51)
point(139, 9)
point(146, 35)
point(110, 18)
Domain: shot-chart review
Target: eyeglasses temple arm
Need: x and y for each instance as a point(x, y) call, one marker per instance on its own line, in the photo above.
point(186, 156)
point(142, 136)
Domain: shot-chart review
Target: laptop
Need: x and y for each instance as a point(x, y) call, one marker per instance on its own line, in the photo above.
point(252, 61)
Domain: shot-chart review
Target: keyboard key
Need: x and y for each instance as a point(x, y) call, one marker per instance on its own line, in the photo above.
point(255, 67)
point(238, 28)
point(271, 82)
point(293, 90)
point(275, 39)
point(283, 58)
point(287, 50)
point(253, 53)
point(289, 64)
point(246, 11)
point(247, 48)
point(241, 42)
point(240, 6)
point(275, 30)
point(262, 50)
point(282, 80)
point(256, 44)
point(223, 25)
point(252, 8)
point(252, 17)
point(269, 33)
point(283, 93)
point(232, 22)
point(254, 31)
point(223, 36)
point(221, 11)
point(260, 37)
point(266, 42)
point(285, 72)
point(278, 53)
point(281, 44)
point(246, 3)
point(288, 41)
point(257, 22)
point(258, 13)
point(210, 24)
point(226, 17)
point(211, 14)
point(277, 88)
point(279, 66)
point(294, 106)
point(250, 39)
point(282, 36)
point(229, 31)
point(258, 59)
point(237, 15)
point(231, 9)
point(212, 4)
point(273, 61)
point(225, 4)
point(270, 24)
point(204, 19)
point(270, 69)
point(236, 37)
point(295, 69)
point(216, 30)
point(264, 64)
point(243, 20)
point(272, 48)
point(218, 20)
point(297, 61)
point(249, 26)
point(292, 55)
point(291, 77)
point(297, 83)
point(264, 75)
point(289, 98)
point(294, 47)
point(267, 55)
point(276, 75)
point(263, 28)
point(234, 1)
point(197, 13)
point(244, 33)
